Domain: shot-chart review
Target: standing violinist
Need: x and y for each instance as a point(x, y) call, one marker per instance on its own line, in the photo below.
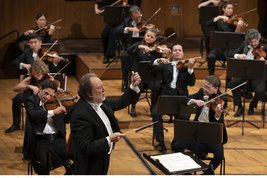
point(223, 23)
point(175, 81)
point(127, 30)
point(145, 51)
point(209, 90)
point(45, 33)
point(250, 49)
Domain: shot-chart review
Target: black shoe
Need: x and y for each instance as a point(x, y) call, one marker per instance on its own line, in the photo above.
point(239, 112)
point(12, 129)
point(250, 111)
point(161, 148)
point(133, 112)
point(106, 60)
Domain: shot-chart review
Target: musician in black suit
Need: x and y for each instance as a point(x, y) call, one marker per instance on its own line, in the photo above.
point(175, 81)
point(35, 52)
point(94, 126)
point(127, 30)
point(248, 50)
point(49, 128)
point(204, 113)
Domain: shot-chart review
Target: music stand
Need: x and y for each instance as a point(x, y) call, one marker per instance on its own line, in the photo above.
point(247, 70)
point(115, 15)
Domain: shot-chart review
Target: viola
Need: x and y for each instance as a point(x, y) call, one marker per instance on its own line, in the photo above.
point(214, 102)
point(181, 64)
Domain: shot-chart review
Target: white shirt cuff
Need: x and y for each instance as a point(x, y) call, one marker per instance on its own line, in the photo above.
point(20, 65)
point(50, 113)
point(109, 144)
point(190, 71)
point(136, 89)
point(155, 63)
point(236, 56)
point(190, 102)
point(125, 30)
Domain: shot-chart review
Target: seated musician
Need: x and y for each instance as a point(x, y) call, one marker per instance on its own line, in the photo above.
point(126, 30)
point(223, 23)
point(48, 127)
point(45, 33)
point(144, 52)
point(35, 52)
point(175, 81)
point(250, 49)
point(204, 113)
point(38, 72)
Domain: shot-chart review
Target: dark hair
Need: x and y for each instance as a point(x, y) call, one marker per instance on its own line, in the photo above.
point(175, 44)
point(224, 4)
point(40, 14)
point(48, 84)
point(85, 86)
point(214, 80)
point(34, 36)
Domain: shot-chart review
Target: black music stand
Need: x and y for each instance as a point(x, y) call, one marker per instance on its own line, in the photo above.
point(247, 70)
point(115, 15)
point(206, 13)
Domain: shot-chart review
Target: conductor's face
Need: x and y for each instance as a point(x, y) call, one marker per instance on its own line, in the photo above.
point(177, 52)
point(98, 91)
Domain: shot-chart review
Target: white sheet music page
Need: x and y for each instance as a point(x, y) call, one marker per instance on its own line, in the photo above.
point(176, 162)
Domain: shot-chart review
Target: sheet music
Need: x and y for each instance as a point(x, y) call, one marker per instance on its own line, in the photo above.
point(176, 162)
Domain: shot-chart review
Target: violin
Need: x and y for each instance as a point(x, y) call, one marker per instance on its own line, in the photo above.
point(259, 53)
point(214, 103)
point(47, 27)
point(50, 56)
point(62, 99)
point(144, 25)
point(181, 64)
point(236, 18)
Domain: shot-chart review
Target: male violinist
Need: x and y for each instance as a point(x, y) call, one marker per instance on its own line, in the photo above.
point(249, 50)
point(127, 30)
point(209, 90)
point(24, 61)
point(175, 81)
point(28, 86)
point(49, 127)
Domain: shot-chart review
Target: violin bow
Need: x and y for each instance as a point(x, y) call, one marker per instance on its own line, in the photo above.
point(150, 18)
point(225, 92)
point(244, 13)
point(165, 39)
point(49, 49)
point(113, 4)
point(68, 63)
point(47, 25)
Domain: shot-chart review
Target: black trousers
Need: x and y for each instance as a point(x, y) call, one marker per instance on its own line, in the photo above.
point(258, 86)
point(16, 106)
point(126, 67)
point(42, 149)
point(109, 38)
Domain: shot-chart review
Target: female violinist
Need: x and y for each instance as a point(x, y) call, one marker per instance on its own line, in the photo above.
point(221, 23)
point(210, 89)
point(142, 52)
point(45, 33)
point(250, 49)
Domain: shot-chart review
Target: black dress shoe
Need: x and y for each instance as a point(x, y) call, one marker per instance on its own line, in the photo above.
point(12, 129)
point(239, 112)
point(106, 60)
point(133, 112)
point(250, 111)
point(161, 148)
